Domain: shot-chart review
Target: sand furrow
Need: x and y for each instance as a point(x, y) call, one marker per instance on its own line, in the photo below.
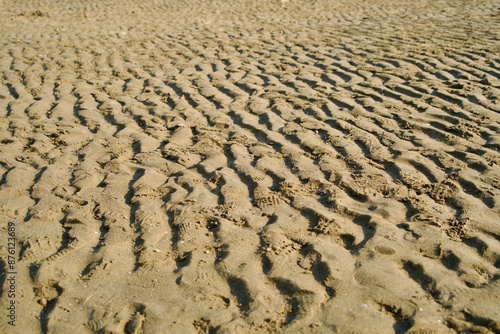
point(252, 166)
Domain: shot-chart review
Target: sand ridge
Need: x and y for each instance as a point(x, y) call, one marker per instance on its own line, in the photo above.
point(251, 166)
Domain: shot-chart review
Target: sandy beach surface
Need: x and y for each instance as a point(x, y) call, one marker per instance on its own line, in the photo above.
point(216, 166)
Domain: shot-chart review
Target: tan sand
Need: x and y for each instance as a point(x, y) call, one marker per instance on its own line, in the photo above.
point(216, 166)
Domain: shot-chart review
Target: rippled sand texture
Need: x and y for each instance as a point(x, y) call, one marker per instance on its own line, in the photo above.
point(211, 166)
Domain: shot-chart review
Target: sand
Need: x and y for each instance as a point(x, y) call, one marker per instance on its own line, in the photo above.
point(211, 166)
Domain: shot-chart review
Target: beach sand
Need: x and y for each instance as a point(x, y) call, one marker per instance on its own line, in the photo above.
point(211, 166)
